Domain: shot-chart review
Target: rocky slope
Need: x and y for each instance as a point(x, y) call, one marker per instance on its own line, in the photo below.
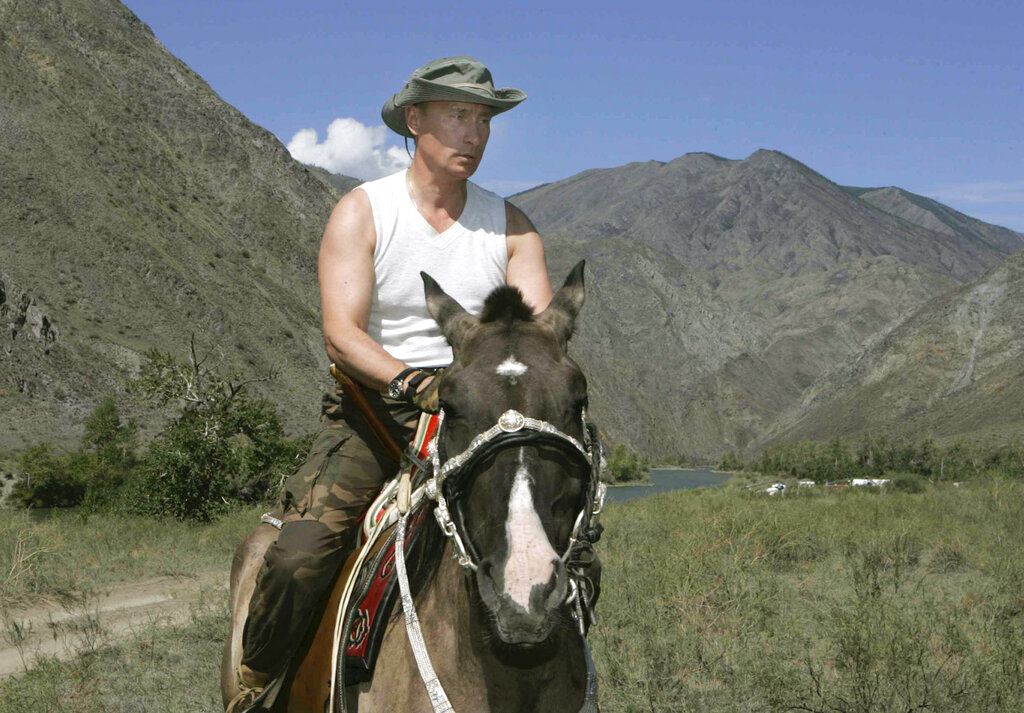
point(952, 367)
point(787, 275)
point(139, 208)
point(725, 297)
point(940, 218)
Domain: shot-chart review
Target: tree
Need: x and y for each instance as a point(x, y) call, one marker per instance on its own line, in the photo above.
point(106, 436)
point(625, 465)
point(730, 462)
point(226, 443)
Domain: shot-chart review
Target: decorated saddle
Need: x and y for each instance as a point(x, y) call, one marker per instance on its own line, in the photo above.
point(369, 595)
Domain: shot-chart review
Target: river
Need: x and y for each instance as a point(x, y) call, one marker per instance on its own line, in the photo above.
point(665, 480)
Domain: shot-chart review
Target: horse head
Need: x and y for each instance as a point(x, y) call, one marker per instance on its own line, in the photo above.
point(516, 505)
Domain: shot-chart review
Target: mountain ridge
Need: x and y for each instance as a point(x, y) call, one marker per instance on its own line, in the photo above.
point(723, 294)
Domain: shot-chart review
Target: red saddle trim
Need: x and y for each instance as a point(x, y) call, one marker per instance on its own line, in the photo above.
point(377, 587)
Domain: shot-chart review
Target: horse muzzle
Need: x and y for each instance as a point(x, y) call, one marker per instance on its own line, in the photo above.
point(514, 623)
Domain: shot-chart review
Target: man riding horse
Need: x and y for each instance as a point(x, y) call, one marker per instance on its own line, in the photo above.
point(378, 332)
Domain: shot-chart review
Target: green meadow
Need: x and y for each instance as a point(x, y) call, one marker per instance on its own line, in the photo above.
point(833, 601)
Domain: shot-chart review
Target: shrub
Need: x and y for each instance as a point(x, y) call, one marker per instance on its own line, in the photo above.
point(225, 445)
point(625, 465)
point(730, 462)
point(908, 484)
point(48, 478)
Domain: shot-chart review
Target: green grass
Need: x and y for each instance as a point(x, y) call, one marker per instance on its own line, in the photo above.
point(65, 555)
point(854, 601)
point(156, 669)
point(857, 601)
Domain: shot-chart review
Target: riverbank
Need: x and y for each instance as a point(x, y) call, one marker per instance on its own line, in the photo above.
point(666, 480)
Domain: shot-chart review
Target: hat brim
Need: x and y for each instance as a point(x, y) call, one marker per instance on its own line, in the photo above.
point(420, 90)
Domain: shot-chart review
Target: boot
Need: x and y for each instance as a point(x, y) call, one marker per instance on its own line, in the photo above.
point(250, 687)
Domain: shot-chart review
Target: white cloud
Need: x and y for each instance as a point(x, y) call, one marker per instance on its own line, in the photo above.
point(351, 148)
point(986, 192)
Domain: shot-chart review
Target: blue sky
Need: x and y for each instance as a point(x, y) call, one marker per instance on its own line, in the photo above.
point(928, 96)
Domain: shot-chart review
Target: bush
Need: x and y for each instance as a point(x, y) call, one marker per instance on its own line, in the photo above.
point(225, 445)
point(49, 479)
point(730, 462)
point(625, 465)
point(111, 444)
point(908, 484)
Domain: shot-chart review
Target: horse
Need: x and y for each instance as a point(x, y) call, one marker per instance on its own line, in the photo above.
point(500, 607)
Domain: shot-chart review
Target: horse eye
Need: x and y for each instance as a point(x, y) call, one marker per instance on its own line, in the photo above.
point(579, 404)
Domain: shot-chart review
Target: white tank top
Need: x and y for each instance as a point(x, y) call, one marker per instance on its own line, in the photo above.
point(468, 260)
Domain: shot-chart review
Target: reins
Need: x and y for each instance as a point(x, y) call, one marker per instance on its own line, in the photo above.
point(445, 477)
point(506, 432)
point(354, 391)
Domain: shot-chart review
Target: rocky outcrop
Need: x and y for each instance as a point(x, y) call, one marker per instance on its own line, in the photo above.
point(24, 317)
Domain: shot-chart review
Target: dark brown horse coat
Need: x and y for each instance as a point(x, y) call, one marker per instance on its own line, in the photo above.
point(500, 638)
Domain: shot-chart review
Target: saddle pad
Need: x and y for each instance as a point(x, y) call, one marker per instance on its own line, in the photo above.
point(374, 597)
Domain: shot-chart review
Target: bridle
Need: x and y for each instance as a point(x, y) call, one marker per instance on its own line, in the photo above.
point(446, 477)
point(449, 475)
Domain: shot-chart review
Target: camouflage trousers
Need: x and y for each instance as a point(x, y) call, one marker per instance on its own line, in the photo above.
point(321, 507)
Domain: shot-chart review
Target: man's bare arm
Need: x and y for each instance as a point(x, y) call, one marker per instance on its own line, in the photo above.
point(346, 291)
point(526, 268)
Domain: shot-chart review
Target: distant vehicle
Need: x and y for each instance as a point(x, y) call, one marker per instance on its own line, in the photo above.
point(807, 483)
point(876, 482)
point(776, 489)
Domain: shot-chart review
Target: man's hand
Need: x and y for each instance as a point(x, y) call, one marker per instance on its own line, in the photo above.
point(426, 397)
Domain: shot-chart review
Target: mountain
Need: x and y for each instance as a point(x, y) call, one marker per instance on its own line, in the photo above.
point(787, 275)
point(933, 215)
point(729, 301)
point(140, 208)
point(954, 366)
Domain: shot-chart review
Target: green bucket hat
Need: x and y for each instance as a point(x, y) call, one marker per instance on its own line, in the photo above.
point(454, 79)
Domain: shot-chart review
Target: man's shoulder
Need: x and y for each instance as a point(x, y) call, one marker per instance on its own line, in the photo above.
point(384, 183)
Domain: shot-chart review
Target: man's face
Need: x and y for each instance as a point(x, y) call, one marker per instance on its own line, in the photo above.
point(451, 135)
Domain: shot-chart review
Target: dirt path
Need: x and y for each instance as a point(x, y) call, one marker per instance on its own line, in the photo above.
point(66, 631)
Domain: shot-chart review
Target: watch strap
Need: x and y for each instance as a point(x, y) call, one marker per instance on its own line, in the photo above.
point(394, 389)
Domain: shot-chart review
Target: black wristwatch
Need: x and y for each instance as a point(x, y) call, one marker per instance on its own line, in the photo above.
point(394, 390)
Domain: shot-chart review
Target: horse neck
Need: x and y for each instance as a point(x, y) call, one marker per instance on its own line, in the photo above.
point(470, 669)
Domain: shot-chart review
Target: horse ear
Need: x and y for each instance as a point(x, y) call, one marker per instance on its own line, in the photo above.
point(565, 305)
point(450, 316)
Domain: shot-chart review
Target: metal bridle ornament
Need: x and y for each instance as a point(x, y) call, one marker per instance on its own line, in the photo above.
point(512, 428)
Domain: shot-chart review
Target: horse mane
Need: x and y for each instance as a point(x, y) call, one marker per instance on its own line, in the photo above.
point(506, 304)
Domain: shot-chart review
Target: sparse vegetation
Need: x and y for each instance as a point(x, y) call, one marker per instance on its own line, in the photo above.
point(224, 446)
point(713, 599)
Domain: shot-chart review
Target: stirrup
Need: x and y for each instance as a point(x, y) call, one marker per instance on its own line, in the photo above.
point(243, 702)
point(247, 694)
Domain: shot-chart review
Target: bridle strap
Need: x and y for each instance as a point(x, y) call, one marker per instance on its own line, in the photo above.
point(439, 702)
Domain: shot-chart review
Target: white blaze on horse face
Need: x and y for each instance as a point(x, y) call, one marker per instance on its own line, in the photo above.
point(511, 368)
point(531, 559)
